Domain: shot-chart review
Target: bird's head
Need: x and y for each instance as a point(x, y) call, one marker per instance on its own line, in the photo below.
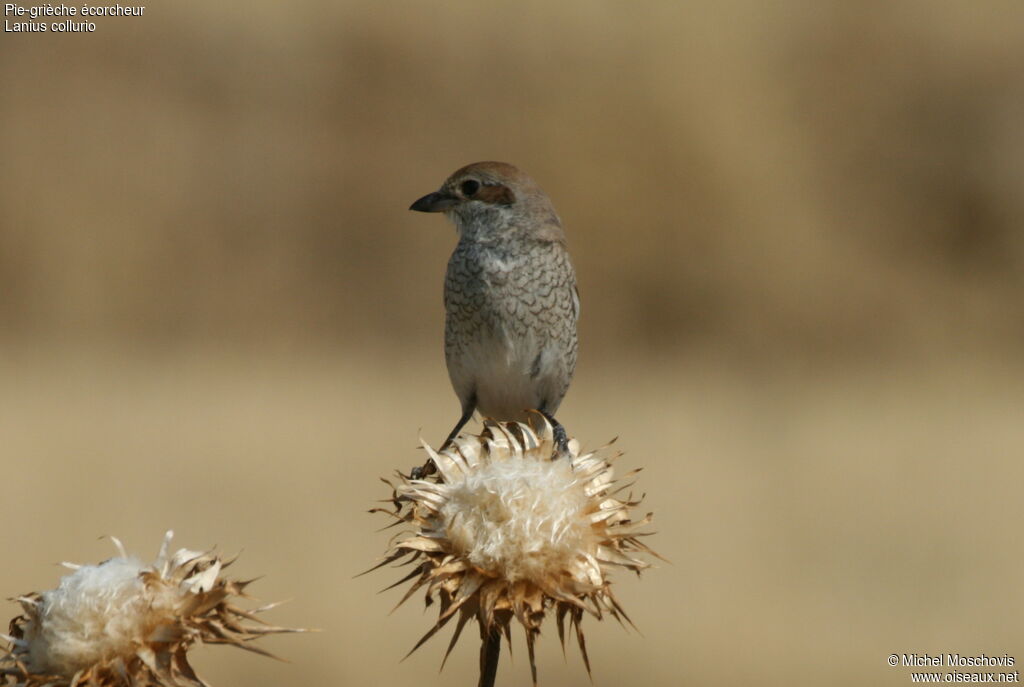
point(488, 199)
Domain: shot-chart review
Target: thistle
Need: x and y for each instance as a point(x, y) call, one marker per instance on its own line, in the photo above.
point(509, 528)
point(122, 623)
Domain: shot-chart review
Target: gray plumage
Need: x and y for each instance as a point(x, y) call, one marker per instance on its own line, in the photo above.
point(510, 294)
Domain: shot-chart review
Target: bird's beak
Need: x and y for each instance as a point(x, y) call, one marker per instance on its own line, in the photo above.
point(438, 201)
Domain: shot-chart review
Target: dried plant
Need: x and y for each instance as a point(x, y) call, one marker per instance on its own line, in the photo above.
point(509, 528)
point(122, 623)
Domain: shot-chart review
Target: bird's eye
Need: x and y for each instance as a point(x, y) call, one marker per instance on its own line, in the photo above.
point(469, 187)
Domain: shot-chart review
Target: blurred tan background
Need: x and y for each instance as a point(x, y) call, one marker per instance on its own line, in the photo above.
point(798, 234)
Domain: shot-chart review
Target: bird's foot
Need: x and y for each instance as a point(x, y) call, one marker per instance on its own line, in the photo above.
point(561, 440)
point(425, 470)
point(429, 468)
point(560, 436)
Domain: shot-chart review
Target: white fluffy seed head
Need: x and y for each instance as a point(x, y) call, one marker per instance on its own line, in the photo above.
point(123, 623)
point(511, 526)
point(524, 519)
point(95, 614)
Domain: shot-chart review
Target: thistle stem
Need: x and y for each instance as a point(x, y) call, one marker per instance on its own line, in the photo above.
point(490, 649)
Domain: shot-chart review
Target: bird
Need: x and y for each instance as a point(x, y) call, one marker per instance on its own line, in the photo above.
point(510, 297)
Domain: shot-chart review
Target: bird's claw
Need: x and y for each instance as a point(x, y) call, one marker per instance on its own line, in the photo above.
point(558, 434)
point(424, 470)
point(561, 441)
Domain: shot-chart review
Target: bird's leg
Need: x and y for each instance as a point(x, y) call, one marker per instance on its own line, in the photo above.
point(429, 468)
point(467, 414)
point(561, 438)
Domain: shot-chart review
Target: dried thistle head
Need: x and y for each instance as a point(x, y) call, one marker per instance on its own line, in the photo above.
point(123, 623)
point(508, 528)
